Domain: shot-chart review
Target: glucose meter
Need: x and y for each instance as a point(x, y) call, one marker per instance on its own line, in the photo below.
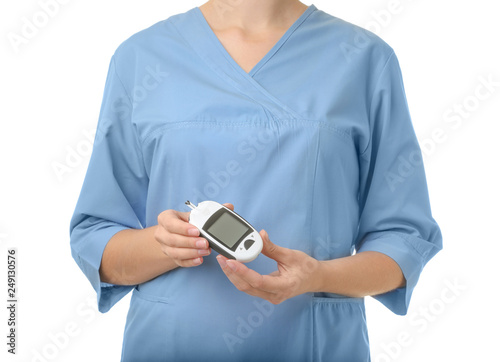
point(226, 232)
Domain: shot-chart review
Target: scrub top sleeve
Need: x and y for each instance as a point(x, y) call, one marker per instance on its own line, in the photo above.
point(395, 214)
point(114, 190)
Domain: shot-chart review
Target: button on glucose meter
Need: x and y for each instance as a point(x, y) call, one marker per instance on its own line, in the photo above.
point(249, 243)
point(226, 231)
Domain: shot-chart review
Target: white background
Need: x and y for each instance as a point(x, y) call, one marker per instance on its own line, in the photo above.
point(51, 90)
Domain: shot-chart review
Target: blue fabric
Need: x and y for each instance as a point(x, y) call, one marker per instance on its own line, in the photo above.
point(315, 144)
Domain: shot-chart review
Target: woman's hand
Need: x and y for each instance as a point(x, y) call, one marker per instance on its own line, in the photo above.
point(180, 240)
point(297, 273)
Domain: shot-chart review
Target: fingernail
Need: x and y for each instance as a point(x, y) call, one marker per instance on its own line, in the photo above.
point(197, 261)
point(221, 261)
point(204, 252)
point(193, 232)
point(201, 243)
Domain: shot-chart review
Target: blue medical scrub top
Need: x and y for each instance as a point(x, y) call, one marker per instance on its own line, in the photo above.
point(315, 145)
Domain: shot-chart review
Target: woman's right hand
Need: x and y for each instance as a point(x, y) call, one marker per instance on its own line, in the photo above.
point(180, 240)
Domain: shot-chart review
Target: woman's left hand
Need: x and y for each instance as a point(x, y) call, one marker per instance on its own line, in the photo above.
point(297, 273)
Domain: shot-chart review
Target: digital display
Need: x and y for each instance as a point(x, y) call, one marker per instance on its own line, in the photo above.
point(228, 229)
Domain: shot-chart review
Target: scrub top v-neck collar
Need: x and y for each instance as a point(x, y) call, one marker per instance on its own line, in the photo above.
point(214, 40)
point(199, 36)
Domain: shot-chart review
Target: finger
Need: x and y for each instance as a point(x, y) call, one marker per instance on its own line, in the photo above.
point(243, 277)
point(271, 250)
point(186, 253)
point(182, 215)
point(190, 262)
point(176, 222)
point(180, 241)
point(229, 206)
point(241, 284)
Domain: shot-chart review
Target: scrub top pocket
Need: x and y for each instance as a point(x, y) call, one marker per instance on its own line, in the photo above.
point(147, 336)
point(345, 320)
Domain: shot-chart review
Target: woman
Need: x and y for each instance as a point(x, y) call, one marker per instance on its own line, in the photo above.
point(297, 118)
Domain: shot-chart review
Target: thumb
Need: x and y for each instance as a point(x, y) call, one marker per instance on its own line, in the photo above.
point(271, 250)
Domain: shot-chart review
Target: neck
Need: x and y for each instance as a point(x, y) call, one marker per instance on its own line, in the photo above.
point(252, 15)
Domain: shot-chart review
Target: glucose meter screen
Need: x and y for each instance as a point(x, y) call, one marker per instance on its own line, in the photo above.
point(228, 229)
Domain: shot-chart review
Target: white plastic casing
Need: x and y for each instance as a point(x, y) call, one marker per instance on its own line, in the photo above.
point(199, 217)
